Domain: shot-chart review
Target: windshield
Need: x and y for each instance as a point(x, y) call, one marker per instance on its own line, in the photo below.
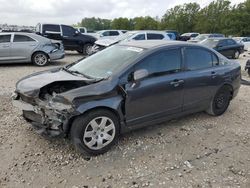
point(107, 62)
point(125, 37)
point(211, 43)
point(201, 37)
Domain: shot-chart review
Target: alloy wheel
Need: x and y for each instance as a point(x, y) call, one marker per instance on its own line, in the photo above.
point(40, 59)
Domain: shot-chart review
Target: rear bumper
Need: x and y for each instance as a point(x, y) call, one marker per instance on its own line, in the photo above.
point(58, 54)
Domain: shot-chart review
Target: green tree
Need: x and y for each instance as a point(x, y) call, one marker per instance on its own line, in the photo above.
point(95, 23)
point(211, 19)
point(237, 22)
point(145, 23)
point(181, 17)
point(122, 23)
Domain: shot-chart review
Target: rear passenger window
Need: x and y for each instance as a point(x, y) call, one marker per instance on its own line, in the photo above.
point(51, 28)
point(5, 38)
point(231, 42)
point(222, 43)
point(106, 33)
point(113, 33)
point(166, 62)
point(154, 36)
point(22, 38)
point(198, 59)
point(68, 31)
point(139, 37)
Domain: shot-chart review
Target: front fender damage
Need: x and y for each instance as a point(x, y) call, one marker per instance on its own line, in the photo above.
point(52, 107)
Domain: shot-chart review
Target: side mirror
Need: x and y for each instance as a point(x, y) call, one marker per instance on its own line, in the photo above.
point(140, 74)
point(76, 33)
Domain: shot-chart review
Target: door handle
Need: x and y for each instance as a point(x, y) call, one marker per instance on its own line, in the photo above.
point(32, 44)
point(6, 46)
point(176, 83)
point(214, 75)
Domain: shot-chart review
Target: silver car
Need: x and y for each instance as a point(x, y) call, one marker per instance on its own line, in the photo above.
point(29, 47)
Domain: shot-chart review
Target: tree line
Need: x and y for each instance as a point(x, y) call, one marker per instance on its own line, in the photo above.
point(219, 16)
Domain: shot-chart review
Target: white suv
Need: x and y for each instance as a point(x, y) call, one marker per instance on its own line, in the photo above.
point(110, 33)
point(103, 43)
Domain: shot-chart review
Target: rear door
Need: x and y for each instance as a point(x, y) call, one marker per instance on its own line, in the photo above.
point(202, 78)
point(70, 38)
point(22, 47)
point(52, 31)
point(223, 48)
point(232, 47)
point(159, 94)
point(5, 45)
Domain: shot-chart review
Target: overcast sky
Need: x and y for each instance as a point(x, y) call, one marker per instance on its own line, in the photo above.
point(30, 12)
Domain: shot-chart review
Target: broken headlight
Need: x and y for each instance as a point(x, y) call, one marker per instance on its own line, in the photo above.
point(60, 103)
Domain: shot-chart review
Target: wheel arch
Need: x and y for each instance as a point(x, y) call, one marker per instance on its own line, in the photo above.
point(37, 51)
point(230, 87)
point(115, 108)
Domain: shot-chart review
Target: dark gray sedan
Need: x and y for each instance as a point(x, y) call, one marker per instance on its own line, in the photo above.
point(226, 46)
point(127, 86)
point(29, 47)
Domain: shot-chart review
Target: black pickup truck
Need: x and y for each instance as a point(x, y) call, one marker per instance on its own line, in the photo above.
point(71, 38)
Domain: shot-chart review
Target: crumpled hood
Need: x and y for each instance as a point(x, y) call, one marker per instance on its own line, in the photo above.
point(106, 42)
point(97, 89)
point(31, 85)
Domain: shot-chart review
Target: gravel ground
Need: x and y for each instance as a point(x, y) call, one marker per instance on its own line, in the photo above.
point(193, 151)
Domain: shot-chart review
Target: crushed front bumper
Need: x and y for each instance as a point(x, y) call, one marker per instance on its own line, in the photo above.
point(44, 119)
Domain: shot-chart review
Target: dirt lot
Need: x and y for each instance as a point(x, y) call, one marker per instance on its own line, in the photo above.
point(194, 151)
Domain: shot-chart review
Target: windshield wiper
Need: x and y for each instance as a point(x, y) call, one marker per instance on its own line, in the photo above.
point(82, 74)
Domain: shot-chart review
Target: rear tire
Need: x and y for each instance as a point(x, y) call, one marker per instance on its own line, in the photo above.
point(40, 59)
point(220, 102)
point(96, 132)
point(236, 54)
point(87, 49)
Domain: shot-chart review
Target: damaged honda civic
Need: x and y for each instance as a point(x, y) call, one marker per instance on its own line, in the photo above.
point(127, 86)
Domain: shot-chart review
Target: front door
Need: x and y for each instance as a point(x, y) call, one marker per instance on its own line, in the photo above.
point(5, 47)
point(161, 93)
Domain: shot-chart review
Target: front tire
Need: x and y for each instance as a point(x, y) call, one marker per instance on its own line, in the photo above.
point(220, 102)
point(96, 132)
point(40, 59)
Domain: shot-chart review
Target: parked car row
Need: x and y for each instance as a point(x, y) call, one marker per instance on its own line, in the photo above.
point(80, 40)
point(130, 36)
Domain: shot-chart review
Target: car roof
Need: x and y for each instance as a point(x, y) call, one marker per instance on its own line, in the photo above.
point(218, 38)
point(33, 35)
point(147, 31)
point(148, 44)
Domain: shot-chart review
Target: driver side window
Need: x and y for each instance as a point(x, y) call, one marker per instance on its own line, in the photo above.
point(164, 62)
